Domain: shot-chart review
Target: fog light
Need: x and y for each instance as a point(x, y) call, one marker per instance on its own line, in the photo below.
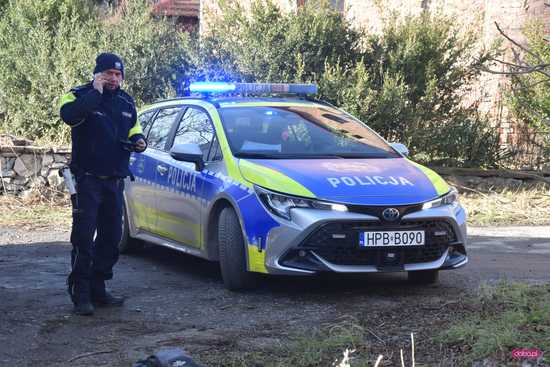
point(339, 207)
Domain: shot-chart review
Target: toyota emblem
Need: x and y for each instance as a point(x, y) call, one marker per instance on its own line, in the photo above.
point(390, 214)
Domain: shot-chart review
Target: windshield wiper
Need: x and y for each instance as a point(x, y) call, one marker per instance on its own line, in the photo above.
point(283, 155)
point(259, 155)
point(358, 155)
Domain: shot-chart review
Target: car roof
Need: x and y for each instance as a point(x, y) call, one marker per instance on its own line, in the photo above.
point(233, 101)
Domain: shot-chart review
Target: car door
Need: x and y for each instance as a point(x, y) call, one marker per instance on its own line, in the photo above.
point(143, 203)
point(180, 203)
point(139, 200)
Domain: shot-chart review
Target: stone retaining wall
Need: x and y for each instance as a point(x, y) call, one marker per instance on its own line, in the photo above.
point(25, 170)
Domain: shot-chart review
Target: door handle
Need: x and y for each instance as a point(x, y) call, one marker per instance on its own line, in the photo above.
point(161, 169)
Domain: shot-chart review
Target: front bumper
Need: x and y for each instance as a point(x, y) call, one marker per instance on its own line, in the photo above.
point(326, 241)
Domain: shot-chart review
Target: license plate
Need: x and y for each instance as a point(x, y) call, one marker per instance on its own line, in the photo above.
point(391, 238)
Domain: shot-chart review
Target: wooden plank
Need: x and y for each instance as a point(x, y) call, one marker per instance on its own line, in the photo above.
point(522, 175)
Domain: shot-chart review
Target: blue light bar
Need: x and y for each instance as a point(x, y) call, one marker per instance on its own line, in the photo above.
point(275, 88)
point(252, 88)
point(211, 87)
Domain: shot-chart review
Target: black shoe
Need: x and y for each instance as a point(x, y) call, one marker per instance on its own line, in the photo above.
point(83, 309)
point(107, 300)
point(79, 290)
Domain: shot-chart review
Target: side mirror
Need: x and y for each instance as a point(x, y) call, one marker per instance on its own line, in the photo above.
point(188, 153)
point(401, 148)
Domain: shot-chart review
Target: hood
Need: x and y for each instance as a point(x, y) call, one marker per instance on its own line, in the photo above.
point(390, 181)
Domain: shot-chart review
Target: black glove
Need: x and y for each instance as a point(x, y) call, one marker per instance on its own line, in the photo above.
point(128, 145)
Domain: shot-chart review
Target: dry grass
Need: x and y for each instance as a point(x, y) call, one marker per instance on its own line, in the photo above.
point(508, 206)
point(36, 213)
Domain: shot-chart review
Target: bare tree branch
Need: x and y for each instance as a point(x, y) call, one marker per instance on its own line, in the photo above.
point(520, 67)
point(519, 45)
point(531, 67)
point(527, 71)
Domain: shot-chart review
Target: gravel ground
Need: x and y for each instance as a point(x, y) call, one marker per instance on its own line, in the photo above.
point(178, 300)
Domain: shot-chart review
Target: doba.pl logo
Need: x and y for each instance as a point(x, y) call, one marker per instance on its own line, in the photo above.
point(526, 353)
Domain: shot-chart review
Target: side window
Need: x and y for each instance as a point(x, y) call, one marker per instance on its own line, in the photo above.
point(161, 126)
point(145, 121)
point(195, 128)
point(215, 153)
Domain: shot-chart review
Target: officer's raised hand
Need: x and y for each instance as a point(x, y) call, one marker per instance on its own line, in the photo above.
point(99, 82)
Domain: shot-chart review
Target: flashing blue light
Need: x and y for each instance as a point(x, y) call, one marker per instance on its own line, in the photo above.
point(275, 88)
point(211, 87)
point(252, 88)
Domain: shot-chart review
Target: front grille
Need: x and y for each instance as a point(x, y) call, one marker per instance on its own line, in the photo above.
point(338, 243)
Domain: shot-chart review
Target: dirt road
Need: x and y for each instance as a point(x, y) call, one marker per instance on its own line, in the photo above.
point(177, 300)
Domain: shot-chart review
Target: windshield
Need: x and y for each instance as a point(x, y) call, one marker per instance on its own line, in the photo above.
point(299, 132)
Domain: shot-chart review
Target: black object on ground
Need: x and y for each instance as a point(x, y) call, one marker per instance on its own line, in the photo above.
point(168, 358)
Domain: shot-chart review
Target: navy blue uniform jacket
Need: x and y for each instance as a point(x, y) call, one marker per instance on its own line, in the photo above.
point(100, 122)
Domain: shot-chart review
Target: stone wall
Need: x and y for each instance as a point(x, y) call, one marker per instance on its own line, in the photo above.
point(26, 170)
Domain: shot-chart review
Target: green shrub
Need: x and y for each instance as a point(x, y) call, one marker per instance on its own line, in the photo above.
point(50, 46)
point(45, 48)
point(271, 45)
point(156, 56)
point(412, 85)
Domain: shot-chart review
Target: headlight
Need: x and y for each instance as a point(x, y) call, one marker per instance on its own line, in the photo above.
point(280, 204)
point(450, 198)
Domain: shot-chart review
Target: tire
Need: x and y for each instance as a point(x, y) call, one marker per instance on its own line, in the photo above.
point(232, 253)
point(423, 276)
point(127, 244)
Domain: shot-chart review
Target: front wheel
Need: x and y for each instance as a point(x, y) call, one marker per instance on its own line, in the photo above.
point(423, 276)
point(232, 253)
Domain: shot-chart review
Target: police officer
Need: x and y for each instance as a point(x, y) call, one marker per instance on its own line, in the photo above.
point(104, 129)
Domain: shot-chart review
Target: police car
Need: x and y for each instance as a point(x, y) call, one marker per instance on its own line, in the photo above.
point(286, 185)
